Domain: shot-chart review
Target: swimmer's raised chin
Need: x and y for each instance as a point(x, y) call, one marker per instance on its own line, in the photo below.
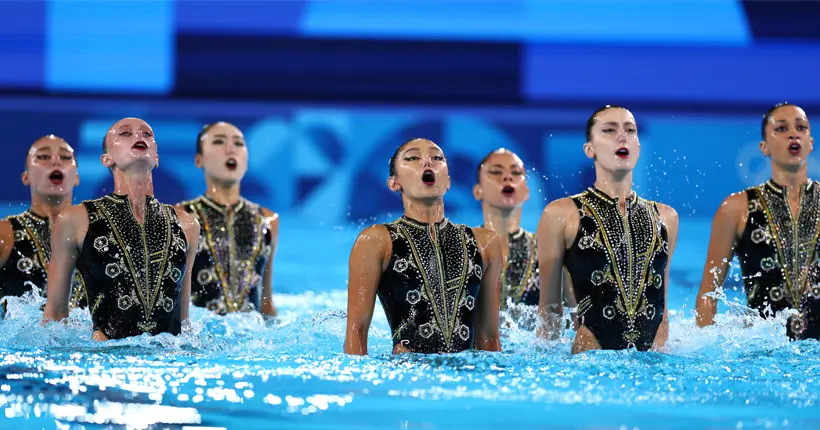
point(98, 335)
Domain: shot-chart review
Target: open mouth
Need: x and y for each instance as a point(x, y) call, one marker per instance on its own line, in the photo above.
point(56, 177)
point(794, 149)
point(231, 164)
point(140, 146)
point(622, 153)
point(508, 191)
point(428, 177)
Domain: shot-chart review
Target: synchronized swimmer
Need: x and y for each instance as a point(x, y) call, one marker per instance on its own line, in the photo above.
point(138, 264)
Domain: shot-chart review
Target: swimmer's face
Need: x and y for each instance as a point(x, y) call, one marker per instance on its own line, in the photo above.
point(51, 169)
point(224, 154)
point(421, 171)
point(130, 142)
point(502, 181)
point(788, 137)
point(614, 145)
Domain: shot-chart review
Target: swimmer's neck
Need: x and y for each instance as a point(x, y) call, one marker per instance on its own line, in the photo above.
point(615, 187)
point(425, 211)
point(48, 206)
point(136, 186)
point(226, 194)
point(793, 181)
point(501, 220)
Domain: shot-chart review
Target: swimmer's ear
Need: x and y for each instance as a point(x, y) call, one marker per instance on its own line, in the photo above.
point(393, 185)
point(107, 161)
point(24, 178)
point(478, 193)
point(764, 148)
point(588, 150)
point(77, 179)
point(198, 160)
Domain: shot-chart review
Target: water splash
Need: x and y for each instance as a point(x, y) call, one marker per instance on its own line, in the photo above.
point(240, 370)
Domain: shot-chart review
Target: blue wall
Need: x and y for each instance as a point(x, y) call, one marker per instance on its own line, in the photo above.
point(478, 51)
point(325, 90)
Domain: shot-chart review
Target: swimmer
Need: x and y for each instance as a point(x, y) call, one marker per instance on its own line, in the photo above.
point(134, 253)
point(615, 245)
point(437, 281)
point(233, 270)
point(25, 238)
point(773, 229)
point(501, 186)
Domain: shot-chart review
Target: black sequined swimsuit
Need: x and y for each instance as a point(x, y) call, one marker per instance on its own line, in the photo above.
point(27, 266)
point(234, 250)
point(519, 279)
point(617, 265)
point(133, 272)
point(430, 289)
point(780, 258)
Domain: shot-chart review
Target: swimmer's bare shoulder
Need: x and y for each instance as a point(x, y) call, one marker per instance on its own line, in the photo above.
point(71, 225)
point(560, 215)
point(369, 258)
point(68, 234)
point(727, 227)
point(489, 244)
point(272, 220)
point(6, 241)
point(373, 242)
point(733, 211)
point(189, 224)
point(669, 216)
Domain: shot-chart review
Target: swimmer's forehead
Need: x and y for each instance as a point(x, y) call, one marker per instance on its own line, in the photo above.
point(130, 123)
point(504, 158)
point(615, 116)
point(419, 144)
point(788, 112)
point(46, 143)
point(224, 130)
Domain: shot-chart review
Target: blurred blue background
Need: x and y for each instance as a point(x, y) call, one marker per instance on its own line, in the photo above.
point(325, 91)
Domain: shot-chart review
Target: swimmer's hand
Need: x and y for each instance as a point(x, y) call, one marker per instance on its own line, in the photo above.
point(551, 323)
point(400, 348)
point(99, 336)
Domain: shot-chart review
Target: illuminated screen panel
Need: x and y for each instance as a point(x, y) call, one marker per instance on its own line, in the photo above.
point(476, 51)
point(654, 73)
point(117, 46)
point(688, 21)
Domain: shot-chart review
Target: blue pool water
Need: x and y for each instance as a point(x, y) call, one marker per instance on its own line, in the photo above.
point(241, 372)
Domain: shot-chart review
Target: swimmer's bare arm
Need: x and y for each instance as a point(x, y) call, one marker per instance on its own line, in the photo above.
point(486, 323)
point(569, 296)
point(268, 307)
point(191, 227)
point(6, 241)
point(670, 219)
point(67, 237)
point(368, 260)
point(726, 229)
point(553, 233)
